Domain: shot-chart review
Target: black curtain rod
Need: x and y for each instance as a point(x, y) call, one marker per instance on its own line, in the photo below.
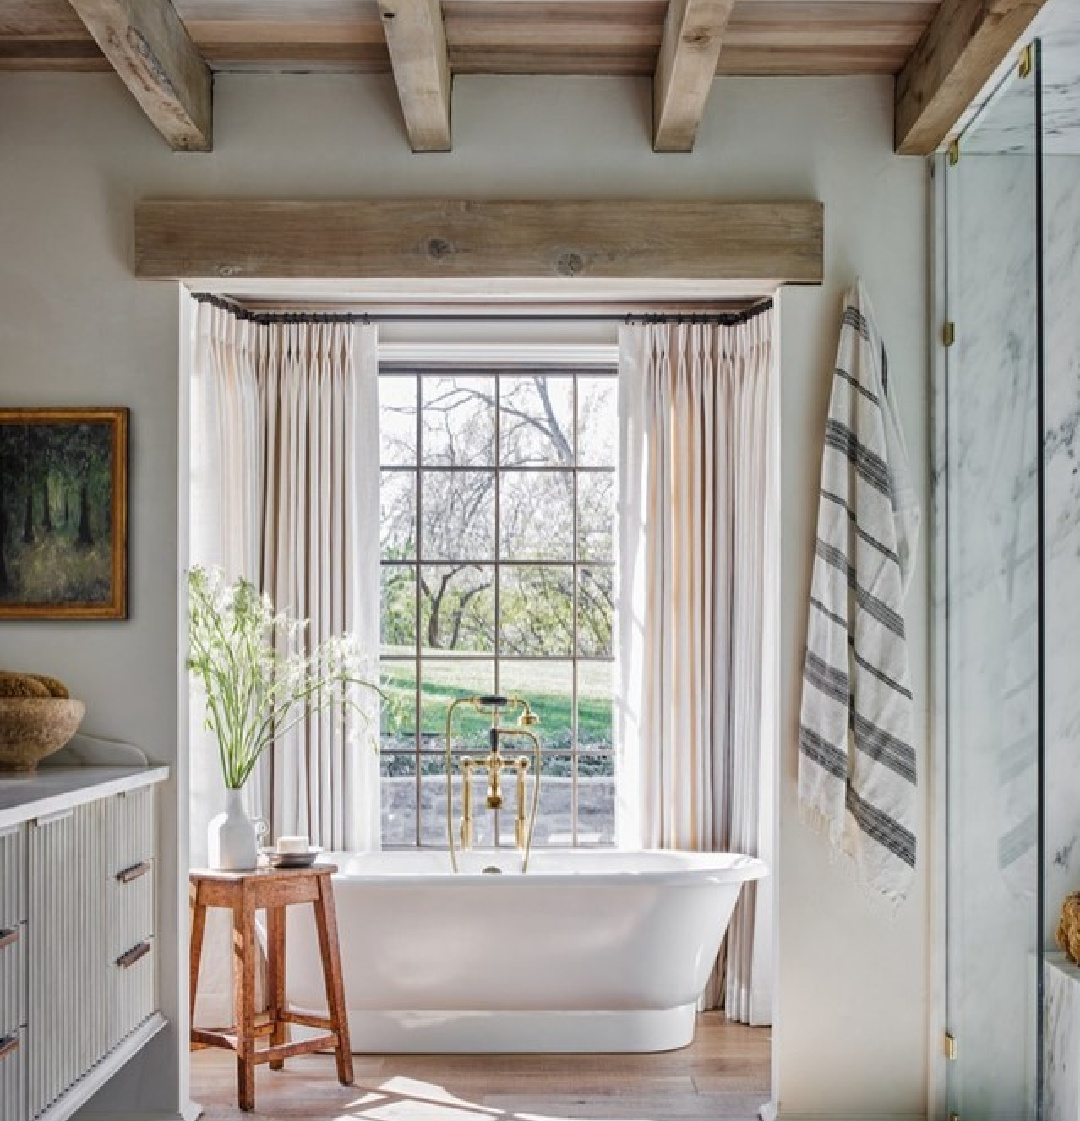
point(728, 318)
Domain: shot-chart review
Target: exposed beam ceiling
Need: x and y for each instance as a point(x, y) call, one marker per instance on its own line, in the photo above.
point(764, 37)
point(955, 58)
point(779, 242)
point(685, 68)
point(416, 39)
point(151, 51)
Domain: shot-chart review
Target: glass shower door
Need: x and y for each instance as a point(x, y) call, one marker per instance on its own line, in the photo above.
point(994, 608)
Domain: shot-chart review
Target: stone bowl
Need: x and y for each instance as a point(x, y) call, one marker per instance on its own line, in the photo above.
point(33, 727)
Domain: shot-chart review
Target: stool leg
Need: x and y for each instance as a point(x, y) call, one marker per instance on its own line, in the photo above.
point(326, 923)
point(245, 950)
point(198, 927)
point(275, 967)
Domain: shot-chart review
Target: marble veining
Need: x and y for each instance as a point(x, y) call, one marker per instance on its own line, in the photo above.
point(990, 443)
point(1061, 277)
point(990, 489)
point(1061, 1017)
point(1010, 129)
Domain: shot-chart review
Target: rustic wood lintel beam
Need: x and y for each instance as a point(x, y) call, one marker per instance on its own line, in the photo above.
point(440, 239)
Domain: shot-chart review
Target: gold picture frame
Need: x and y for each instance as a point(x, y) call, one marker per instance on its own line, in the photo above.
point(63, 513)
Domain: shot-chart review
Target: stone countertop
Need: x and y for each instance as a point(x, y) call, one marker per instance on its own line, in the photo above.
point(50, 790)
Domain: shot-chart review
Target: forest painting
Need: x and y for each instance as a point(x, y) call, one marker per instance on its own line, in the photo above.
point(63, 513)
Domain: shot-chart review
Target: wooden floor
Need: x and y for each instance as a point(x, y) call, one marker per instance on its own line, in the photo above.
point(723, 1074)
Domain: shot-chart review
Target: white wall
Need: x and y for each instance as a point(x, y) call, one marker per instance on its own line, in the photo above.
point(75, 327)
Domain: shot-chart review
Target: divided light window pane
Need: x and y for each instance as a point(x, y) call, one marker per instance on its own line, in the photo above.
point(457, 515)
point(536, 421)
point(458, 421)
point(536, 515)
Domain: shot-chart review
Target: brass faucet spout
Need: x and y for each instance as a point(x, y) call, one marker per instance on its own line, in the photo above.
point(493, 764)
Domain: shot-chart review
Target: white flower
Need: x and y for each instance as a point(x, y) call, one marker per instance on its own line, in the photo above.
point(258, 675)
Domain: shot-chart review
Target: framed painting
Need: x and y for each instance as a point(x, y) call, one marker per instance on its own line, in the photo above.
point(63, 513)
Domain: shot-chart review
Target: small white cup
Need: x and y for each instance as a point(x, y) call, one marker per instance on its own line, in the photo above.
point(291, 846)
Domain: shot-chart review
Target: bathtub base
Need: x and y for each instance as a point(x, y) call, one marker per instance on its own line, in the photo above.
point(391, 1033)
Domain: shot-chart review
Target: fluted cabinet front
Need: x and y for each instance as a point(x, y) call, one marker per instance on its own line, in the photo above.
point(131, 953)
point(13, 1103)
point(67, 1016)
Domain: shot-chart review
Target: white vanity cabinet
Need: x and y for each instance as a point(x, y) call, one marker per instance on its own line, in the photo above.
point(78, 977)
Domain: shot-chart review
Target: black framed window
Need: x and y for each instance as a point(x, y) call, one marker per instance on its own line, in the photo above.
point(498, 525)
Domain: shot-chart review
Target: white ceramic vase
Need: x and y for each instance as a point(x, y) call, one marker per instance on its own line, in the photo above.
point(232, 837)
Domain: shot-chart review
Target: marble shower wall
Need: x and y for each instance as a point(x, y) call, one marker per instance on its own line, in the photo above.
point(1061, 277)
point(990, 489)
point(992, 447)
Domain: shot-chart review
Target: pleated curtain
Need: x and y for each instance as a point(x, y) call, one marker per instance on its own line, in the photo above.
point(285, 491)
point(699, 585)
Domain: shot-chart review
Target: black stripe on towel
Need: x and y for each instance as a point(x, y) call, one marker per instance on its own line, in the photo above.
point(884, 550)
point(839, 620)
point(884, 748)
point(827, 679)
point(869, 394)
point(855, 318)
point(873, 606)
point(881, 675)
point(888, 832)
point(828, 757)
point(870, 466)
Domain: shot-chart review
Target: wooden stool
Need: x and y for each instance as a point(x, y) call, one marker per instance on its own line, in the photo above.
point(273, 889)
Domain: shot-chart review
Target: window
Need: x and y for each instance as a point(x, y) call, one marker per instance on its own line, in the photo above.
point(498, 547)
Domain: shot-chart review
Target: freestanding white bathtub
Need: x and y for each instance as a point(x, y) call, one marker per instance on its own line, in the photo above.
point(589, 951)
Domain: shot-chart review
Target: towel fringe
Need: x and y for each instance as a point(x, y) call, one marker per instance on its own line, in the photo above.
point(841, 849)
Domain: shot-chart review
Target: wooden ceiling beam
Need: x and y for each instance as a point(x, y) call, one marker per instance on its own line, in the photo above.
point(685, 68)
point(416, 38)
point(151, 51)
point(753, 243)
point(957, 55)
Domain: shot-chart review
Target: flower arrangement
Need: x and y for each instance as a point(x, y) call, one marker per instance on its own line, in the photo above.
point(259, 677)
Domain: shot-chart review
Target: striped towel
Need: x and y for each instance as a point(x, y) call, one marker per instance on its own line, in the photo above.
point(856, 727)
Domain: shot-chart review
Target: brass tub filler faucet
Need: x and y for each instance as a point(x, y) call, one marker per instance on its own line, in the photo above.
point(493, 765)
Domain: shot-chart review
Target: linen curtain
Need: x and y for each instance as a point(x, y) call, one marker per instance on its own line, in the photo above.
point(699, 580)
point(285, 491)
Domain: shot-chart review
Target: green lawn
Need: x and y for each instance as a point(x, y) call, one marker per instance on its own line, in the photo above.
point(546, 685)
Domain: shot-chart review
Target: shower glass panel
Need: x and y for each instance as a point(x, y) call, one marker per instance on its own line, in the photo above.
point(993, 480)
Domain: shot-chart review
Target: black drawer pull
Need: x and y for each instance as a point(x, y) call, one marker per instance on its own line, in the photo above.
point(9, 937)
point(136, 953)
point(134, 872)
point(8, 1044)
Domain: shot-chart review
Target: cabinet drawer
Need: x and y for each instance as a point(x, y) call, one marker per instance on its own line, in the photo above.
point(12, 979)
point(130, 895)
point(129, 830)
point(12, 877)
point(132, 989)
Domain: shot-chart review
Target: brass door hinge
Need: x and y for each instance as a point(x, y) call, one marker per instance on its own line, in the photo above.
point(1023, 67)
point(954, 152)
point(950, 1047)
point(948, 333)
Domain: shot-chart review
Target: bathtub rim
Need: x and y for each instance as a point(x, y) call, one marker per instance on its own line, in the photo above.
point(741, 869)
